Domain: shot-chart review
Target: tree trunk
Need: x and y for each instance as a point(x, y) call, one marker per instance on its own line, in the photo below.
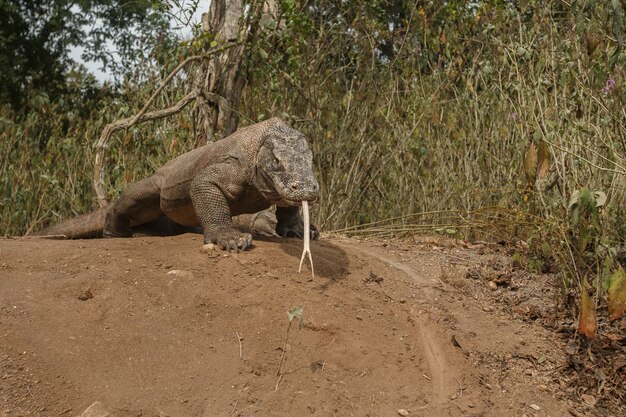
point(221, 74)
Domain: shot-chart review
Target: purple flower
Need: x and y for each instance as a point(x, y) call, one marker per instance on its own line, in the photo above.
point(514, 115)
point(609, 86)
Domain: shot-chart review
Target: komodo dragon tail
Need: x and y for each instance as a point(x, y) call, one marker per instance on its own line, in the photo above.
point(82, 227)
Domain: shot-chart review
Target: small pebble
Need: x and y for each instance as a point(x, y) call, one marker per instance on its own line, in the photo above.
point(403, 412)
point(86, 295)
point(535, 407)
point(208, 247)
point(493, 285)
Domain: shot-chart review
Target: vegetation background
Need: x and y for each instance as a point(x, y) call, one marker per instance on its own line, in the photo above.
point(497, 120)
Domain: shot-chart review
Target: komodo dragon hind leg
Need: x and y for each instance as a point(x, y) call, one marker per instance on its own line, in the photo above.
point(138, 204)
point(290, 223)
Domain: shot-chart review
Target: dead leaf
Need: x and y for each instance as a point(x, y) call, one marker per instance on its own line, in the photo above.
point(530, 162)
point(543, 160)
point(587, 319)
point(617, 294)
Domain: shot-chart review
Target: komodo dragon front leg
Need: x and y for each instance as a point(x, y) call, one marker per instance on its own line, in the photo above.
point(210, 203)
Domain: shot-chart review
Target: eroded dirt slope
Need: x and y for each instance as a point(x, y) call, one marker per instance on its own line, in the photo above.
point(172, 331)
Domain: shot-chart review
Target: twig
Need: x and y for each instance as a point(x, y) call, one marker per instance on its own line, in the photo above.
point(101, 145)
point(298, 88)
point(460, 388)
point(282, 357)
point(615, 171)
point(278, 382)
point(234, 408)
point(239, 339)
point(175, 71)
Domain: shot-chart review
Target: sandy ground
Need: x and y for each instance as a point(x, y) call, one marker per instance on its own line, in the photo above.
point(156, 327)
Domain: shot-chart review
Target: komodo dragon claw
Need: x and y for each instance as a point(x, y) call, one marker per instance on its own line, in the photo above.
point(233, 240)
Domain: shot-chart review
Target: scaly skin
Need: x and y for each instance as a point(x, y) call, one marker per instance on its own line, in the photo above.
point(255, 167)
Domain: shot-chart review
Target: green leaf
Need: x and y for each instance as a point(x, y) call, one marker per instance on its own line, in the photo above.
point(296, 312)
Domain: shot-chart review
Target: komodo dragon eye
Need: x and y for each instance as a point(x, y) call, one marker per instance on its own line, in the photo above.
point(277, 163)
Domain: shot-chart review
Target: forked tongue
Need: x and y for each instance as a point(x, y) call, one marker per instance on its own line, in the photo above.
point(307, 235)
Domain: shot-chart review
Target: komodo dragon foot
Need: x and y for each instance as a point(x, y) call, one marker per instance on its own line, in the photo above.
point(230, 239)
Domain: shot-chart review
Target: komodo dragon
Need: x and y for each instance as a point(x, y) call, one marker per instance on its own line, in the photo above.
point(257, 166)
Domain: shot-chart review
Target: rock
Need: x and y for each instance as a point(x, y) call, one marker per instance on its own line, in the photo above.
point(85, 295)
point(493, 285)
point(180, 273)
point(403, 412)
point(535, 407)
point(96, 409)
point(209, 247)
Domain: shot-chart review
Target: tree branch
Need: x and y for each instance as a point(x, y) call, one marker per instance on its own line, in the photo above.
point(142, 116)
point(98, 172)
point(177, 69)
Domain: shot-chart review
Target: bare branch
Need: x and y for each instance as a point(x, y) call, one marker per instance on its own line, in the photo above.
point(98, 172)
point(142, 116)
point(177, 69)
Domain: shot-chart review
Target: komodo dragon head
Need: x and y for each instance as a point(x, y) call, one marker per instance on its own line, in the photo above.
point(284, 167)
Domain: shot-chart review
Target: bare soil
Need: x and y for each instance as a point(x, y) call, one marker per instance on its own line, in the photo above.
point(156, 327)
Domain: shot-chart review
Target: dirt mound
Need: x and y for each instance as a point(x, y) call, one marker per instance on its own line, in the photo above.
point(155, 327)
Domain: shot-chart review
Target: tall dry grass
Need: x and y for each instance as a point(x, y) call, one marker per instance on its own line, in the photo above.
point(432, 138)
